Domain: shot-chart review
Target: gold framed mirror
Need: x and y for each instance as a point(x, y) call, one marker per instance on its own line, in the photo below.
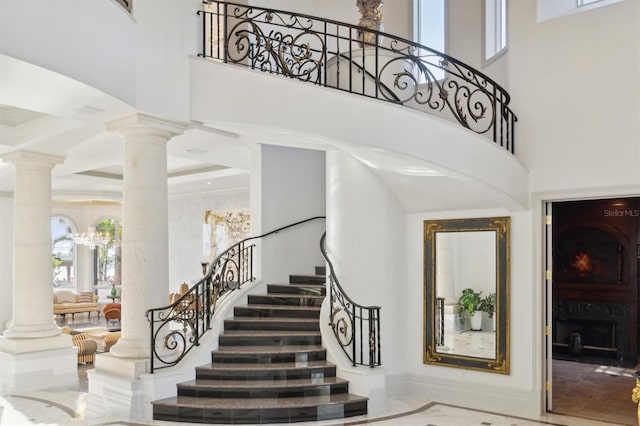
point(466, 293)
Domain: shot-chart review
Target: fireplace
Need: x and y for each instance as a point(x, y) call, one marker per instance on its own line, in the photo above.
point(603, 329)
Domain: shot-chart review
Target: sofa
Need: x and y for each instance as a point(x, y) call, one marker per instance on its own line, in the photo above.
point(67, 302)
point(86, 347)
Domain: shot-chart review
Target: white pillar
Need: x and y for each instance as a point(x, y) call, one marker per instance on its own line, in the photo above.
point(145, 232)
point(33, 353)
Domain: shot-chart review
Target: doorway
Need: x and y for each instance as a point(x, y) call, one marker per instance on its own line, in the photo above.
point(592, 259)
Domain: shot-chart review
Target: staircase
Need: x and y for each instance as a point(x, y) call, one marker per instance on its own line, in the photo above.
point(270, 366)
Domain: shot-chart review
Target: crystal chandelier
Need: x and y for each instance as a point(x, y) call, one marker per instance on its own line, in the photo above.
point(92, 239)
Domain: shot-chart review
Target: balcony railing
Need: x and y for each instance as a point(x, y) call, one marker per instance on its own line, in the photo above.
point(358, 60)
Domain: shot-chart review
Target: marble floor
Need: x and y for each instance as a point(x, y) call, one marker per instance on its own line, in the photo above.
point(67, 407)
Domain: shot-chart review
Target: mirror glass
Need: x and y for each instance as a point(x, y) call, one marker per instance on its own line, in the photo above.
point(466, 293)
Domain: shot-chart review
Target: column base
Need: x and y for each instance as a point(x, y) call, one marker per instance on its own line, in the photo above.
point(21, 346)
point(40, 331)
point(44, 369)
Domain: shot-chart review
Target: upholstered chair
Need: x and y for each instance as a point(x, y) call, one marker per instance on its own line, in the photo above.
point(112, 311)
point(86, 347)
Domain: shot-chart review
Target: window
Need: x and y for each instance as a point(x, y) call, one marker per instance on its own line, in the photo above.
point(495, 28)
point(586, 2)
point(62, 252)
point(429, 30)
point(550, 9)
point(108, 265)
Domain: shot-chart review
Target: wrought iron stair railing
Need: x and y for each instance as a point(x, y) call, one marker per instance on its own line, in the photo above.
point(341, 56)
point(356, 327)
point(178, 327)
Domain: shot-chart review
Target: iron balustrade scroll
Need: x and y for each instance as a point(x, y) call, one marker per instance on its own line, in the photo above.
point(356, 327)
point(358, 60)
point(177, 328)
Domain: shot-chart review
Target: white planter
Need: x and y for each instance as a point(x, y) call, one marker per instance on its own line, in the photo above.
point(476, 321)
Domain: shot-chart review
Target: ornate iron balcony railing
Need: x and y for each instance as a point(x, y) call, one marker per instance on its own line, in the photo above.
point(358, 60)
point(356, 327)
point(178, 327)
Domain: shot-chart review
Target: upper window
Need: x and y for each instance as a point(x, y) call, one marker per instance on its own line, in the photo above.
point(62, 252)
point(429, 30)
point(550, 9)
point(495, 29)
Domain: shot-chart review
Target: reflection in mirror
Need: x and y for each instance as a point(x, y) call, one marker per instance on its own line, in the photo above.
point(466, 293)
point(466, 261)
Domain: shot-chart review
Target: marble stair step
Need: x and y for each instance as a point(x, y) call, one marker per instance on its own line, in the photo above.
point(310, 289)
point(286, 299)
point(266, 371)
point(202, 388)
point(275, 337)
point(269, 354)
point(259, 410)
point(249, 323)
point(302, 278)
point(290, 311)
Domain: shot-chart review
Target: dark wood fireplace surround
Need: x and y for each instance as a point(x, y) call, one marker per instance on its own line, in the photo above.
point(596, 252)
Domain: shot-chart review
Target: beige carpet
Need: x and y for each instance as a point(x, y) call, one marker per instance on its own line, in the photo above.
point(594, 392)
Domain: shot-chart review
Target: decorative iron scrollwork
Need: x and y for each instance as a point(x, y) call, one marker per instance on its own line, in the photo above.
point(375, 64)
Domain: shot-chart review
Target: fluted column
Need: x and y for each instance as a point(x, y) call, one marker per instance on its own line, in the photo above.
point(32, 287)
point(145, 251)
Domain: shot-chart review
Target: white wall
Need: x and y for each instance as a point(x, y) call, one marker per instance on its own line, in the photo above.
point(91, 41)
point(186, 217)
point(365, 242)
point(516, 393)
point(575, 88)
point(291, 183)
point(6, 259)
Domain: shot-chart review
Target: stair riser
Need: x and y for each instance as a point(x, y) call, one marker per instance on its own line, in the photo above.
point(269, 340)
point(307, 301)
point(271, 326)
point(217, 357)
point(293, 392)
point(321, 270)
point(307, 279)
point(259, 416)
point(275, 313)
point(288, 289)
point(265, 374)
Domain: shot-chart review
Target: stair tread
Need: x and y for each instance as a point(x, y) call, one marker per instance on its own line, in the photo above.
point(290, 295)
point(288, 307)
point(303, 285)
point(235, 384)
point(272, 319)
point(266, 366)
point(259, 403)
point(266, 349)
point(263, 333)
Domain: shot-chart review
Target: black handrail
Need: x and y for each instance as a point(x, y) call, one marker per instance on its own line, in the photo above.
point(178, 327)
point(334, 54)
point(355, 326)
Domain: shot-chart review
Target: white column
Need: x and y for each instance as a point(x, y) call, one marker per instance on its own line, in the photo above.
point(33, 272)
point(145, 233)
point(33, 353)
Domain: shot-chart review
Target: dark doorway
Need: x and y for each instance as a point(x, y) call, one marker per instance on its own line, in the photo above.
point(595, 252)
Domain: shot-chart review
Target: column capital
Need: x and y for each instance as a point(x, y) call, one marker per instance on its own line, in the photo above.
point(143, 124)
point(25, 157)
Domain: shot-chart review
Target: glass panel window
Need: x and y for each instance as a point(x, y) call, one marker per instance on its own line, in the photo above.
point(429, 31)
point(108, 265)
point(495, 28)
point(62, 252)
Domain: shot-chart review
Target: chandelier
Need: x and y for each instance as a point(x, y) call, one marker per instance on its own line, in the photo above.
point(92, 239)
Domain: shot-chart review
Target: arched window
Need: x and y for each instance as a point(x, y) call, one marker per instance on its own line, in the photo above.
point(108, 258)
point(63, 256)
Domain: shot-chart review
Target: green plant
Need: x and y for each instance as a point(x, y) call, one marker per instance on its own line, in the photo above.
point(488, 304)
point(470, 302)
